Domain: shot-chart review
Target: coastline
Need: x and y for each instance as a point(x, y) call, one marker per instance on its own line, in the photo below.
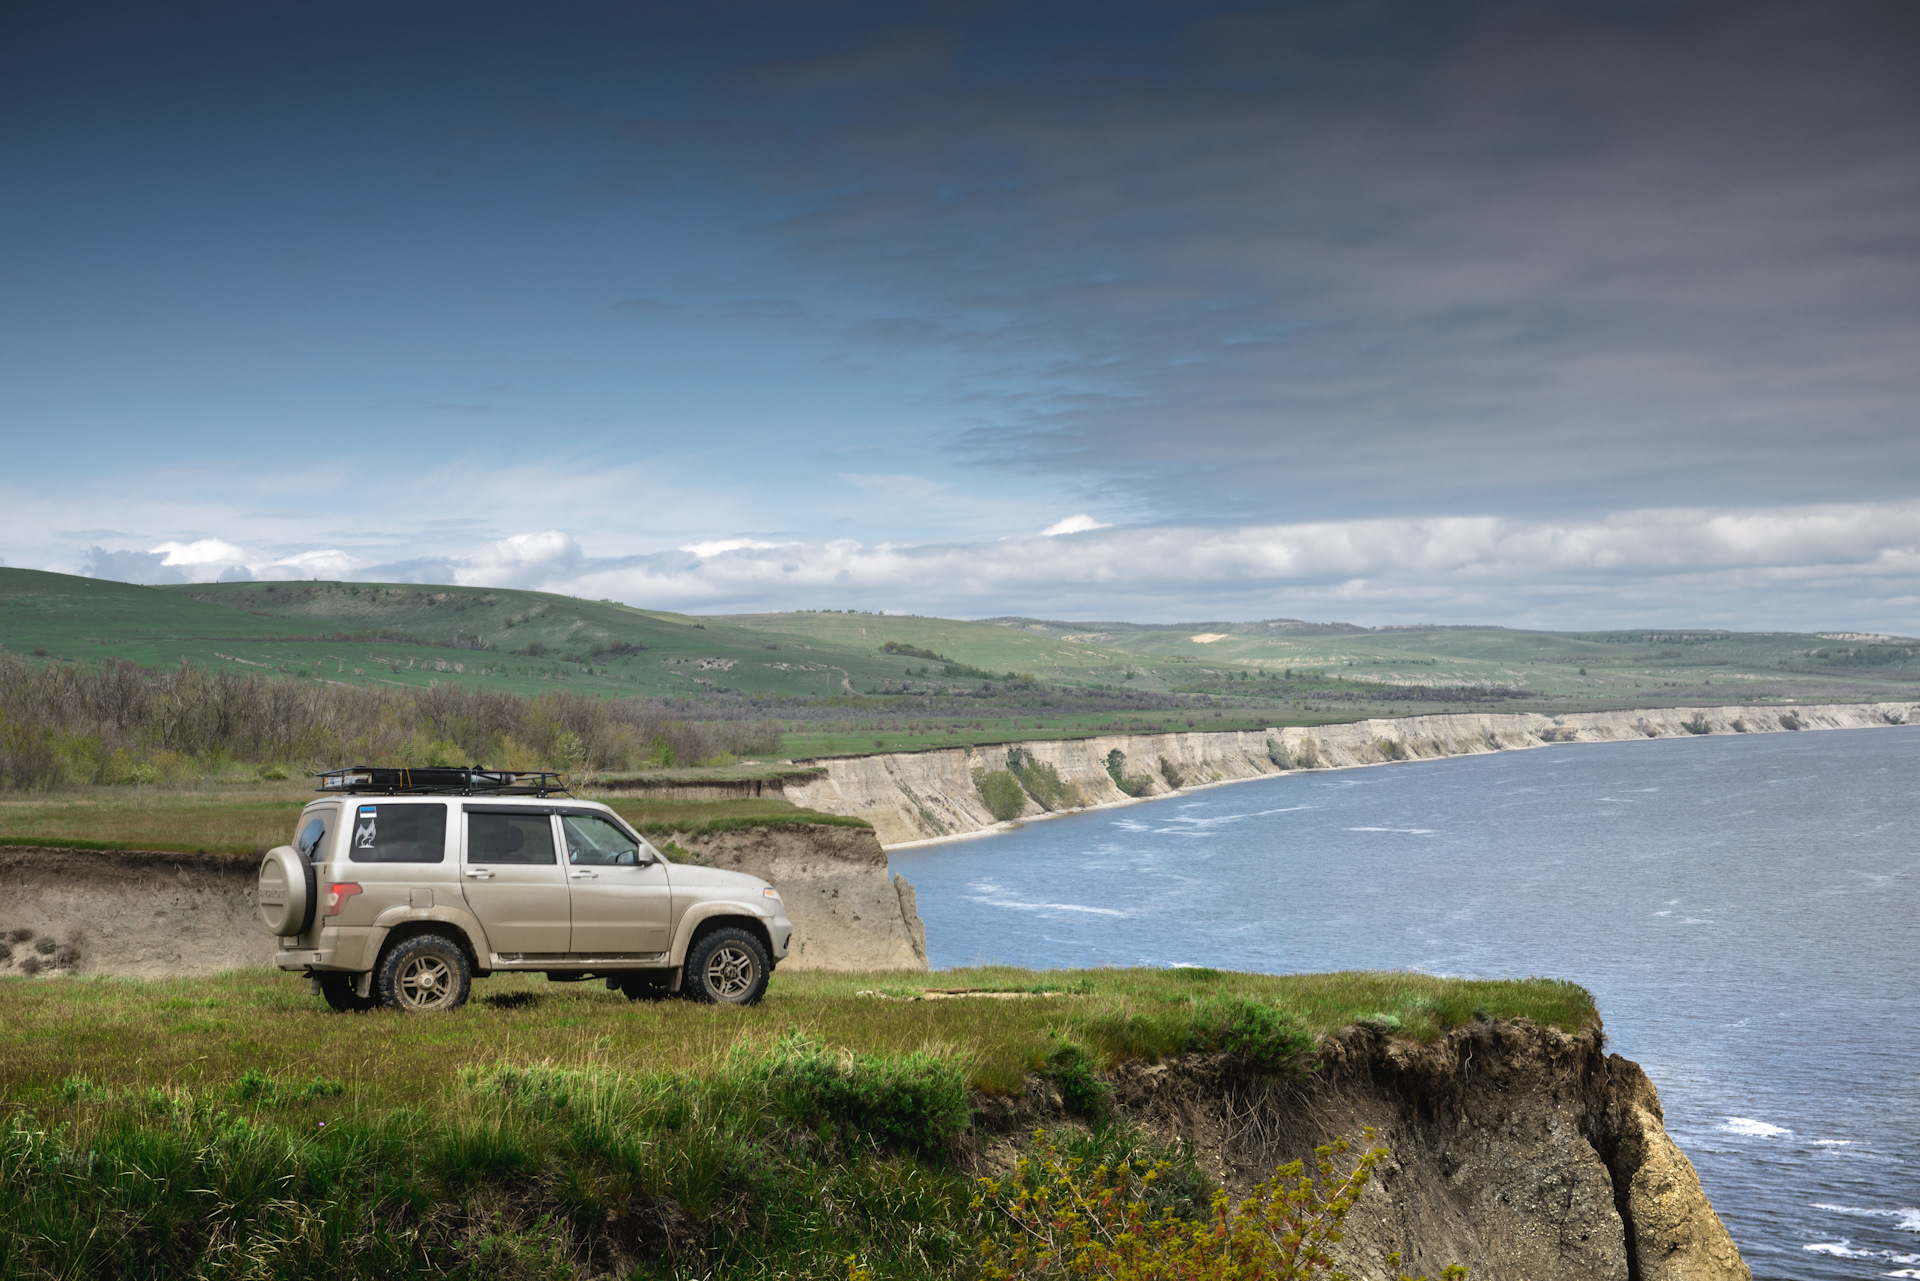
point(915, 799)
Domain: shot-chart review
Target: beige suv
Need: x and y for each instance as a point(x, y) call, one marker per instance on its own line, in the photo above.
point(402, 886)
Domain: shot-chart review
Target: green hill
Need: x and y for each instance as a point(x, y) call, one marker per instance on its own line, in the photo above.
point(854, 682)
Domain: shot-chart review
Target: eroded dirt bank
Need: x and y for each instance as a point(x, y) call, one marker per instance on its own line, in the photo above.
point(157, 915)
point(1522, 1152)
point(911, 797)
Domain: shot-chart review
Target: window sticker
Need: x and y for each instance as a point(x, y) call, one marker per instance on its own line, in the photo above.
point(402, 832)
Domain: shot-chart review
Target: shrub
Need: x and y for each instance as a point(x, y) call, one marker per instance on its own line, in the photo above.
point(1391, 749)
point(1131, 784)
point(916, 1101)
point(1698, 725)
point(1041, 780)
point(1001, 792)
point(1171, 772)
point(1071, 1068)
point(1791, 720)
point(1266, 1036)
point(1069, 1221)
point(1739, 725)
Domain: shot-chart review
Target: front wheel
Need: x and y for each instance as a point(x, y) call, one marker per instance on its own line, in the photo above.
point(726, 967)
point(342, 993)
point(426, 972)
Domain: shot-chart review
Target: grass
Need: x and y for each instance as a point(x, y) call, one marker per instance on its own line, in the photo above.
point(190, 1033)
point(215, 818)
point(249, 818)
point(232, 1127)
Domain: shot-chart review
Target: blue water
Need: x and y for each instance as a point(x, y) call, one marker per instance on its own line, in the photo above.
point(1743, 908)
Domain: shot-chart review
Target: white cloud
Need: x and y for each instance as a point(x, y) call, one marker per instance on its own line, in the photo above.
point(1079, 524)
point(206, 551)
point(720, 546)
point(1807, 568)
point(524, 560)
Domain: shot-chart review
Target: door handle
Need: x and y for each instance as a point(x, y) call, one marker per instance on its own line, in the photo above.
point(479, 873)
point(584, 876)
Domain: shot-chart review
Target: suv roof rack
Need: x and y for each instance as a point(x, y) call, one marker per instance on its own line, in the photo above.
point(440, 780)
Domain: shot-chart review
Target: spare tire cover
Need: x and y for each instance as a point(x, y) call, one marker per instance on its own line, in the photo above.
point(286, 895)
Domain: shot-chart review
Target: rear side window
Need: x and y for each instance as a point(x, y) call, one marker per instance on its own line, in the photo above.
point(509, 837)
point(399, 833)
point(311, 837)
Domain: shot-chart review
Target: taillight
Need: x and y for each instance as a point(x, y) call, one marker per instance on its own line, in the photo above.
point(338, 894)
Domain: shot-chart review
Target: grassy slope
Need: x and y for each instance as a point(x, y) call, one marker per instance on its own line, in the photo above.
point(248, 628)
point(1636, 668)
point(232, 1127)
point(187, 1032)
point(1356, 672)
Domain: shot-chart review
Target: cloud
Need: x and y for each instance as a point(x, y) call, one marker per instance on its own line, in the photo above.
point(719, 546)
point(1072, 525)
point(205, 551)
point(1808, 568)
point(1801, 568)
point(130, 567)
point(524, 560)
point(1320, 260)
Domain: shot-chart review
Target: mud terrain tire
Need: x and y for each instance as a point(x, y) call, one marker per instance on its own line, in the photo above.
point(427, 972)
point(726, 967)
point(340, 994)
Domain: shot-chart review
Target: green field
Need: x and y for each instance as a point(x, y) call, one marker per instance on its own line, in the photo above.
point(233, 1127)
point(849, 683)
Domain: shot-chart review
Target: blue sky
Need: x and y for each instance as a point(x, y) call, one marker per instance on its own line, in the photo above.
point(1545, 314)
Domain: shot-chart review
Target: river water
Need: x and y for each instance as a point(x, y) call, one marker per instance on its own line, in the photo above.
point(1743, 908)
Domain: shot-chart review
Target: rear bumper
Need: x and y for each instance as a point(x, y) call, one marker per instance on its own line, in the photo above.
point(339, 948)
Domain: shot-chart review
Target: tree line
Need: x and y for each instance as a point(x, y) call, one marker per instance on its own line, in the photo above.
point(116, 722)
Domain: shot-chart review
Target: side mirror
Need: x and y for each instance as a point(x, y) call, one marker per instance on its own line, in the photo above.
point(627, 858)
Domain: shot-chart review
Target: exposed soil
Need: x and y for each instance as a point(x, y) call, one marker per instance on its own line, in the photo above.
point(142, 915)
point(1522, 1152)
point(156, 915)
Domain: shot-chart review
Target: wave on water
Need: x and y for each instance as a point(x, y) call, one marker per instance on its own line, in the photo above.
point(1409, 831)
point(1907, 1218)
point(982, 897)
point(1755, 1129)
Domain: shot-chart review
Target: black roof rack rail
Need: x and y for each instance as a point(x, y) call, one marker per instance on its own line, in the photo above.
point(440, 780)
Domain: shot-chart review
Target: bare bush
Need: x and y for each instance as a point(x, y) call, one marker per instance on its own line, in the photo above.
point(117, 723)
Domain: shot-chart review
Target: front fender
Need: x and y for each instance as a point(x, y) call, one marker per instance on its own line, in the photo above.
point(705, 911)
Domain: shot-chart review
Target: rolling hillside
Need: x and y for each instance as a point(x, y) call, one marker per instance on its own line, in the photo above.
point(851, 682)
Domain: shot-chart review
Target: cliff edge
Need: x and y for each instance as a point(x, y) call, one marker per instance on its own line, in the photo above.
point(1525, 1153)
point(911, 797)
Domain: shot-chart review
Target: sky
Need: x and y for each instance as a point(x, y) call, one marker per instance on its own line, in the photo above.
point(1534, 313)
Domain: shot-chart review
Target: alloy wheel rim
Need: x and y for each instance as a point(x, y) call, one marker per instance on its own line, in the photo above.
point(425, 982)
point(730, 972)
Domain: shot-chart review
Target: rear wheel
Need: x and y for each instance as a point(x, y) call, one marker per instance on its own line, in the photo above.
point(426, 972)
point(726, 967)
point(341, 991)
